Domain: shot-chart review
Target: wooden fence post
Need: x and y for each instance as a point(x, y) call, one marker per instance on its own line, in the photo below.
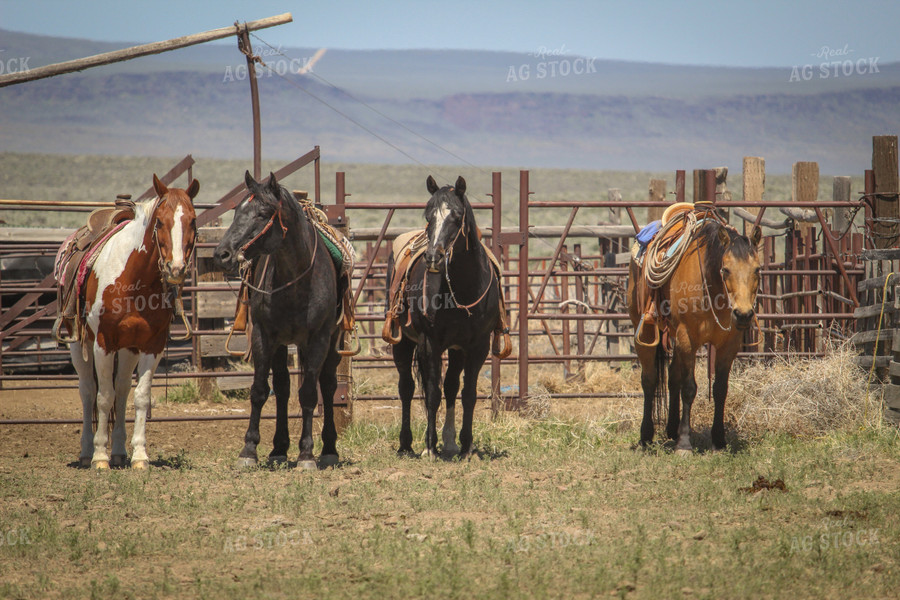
point(754, 184)
point(805, 188)
point(884, 164)
point(657, 193)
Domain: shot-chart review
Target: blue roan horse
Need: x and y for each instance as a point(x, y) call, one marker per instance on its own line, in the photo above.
point(450, 304)
point(294, 299)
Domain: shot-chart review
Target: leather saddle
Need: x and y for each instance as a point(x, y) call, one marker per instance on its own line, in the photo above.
point(71, 268)
point(407, 248)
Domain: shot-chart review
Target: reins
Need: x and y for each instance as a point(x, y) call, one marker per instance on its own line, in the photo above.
point(312, 262)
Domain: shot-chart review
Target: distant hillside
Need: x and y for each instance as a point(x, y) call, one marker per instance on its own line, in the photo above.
point(486, 107)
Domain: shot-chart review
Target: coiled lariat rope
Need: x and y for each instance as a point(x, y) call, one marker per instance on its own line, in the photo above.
point(660, 264)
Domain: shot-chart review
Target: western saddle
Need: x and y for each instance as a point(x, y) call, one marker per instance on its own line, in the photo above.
point(409, 247)
point(74, 260)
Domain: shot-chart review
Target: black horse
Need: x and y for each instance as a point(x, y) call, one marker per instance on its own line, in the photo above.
point(294, 299)
point(450, 303)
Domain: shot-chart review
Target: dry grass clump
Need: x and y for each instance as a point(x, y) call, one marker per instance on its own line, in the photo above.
point(802, 396)
point(595, 377)
point(537, 404)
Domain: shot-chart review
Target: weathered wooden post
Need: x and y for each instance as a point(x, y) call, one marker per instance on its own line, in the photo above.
point(754, 184)
point(887, 207)
point(657, 193)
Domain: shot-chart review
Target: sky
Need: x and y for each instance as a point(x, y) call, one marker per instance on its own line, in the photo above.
point(721, 32)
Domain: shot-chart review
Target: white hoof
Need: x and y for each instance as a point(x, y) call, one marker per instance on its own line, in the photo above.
point(329, 460)
point(140, 465)
point(427, 453)
point(100, 465)
point(245, 462)
point(307, 465)
point(683, 452)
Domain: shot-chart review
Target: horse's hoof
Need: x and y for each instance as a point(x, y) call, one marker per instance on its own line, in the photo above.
point(307, 465)
point(406, 453)
point(117, 460)
point(245, 462)
point(85, 462)
point(683, 452)
point(328, 460)
point(140, 465)
point(450, 451)
point(469, 456)
point(278, 460)
point(429, 453)
point(100, 465)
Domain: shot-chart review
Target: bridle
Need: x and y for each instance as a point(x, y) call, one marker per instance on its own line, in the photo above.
point(448, 256)
point(178, 306)
point(268, 225)
point(248, 272)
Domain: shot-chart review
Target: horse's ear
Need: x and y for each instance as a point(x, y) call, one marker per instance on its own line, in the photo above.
point(460, 186)
point(273, 183)
point(159, 186)
point(756, 236)
point(249, 181)
point(193, 189)
point(432, 185)
point(724, 238)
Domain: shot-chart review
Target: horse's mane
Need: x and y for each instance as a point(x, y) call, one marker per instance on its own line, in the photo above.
point(740, 246)
point(143, 211)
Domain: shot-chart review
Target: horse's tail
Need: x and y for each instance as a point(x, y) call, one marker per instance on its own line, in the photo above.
point(660, 402)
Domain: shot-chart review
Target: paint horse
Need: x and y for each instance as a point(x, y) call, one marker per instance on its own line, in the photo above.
point(450, 302)
point(710, 298)
point(130, 295)
point(295, 298)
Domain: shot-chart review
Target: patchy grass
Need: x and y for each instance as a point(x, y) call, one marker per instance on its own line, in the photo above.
point(551, 508)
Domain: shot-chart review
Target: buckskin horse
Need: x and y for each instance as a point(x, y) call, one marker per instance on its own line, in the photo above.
point(710, 298)
point(294, 299)
point(450, 303)
point(130, 295)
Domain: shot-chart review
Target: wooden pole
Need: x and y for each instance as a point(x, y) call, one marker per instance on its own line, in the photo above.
point(805, 188)
point(754, 183)
point(137, 51)
point(247, 50)
point(887, 206)
point(841, 193)
point(657, 193)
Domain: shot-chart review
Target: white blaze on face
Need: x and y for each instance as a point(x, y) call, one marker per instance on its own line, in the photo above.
point(440, 217)
point(178, 240)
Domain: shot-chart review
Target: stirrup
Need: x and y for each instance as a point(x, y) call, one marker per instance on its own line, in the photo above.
point(179, 311)
point(388, 332)
point(56, 332)
point(506, 349)
point(639, 331)
point(352, 351)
